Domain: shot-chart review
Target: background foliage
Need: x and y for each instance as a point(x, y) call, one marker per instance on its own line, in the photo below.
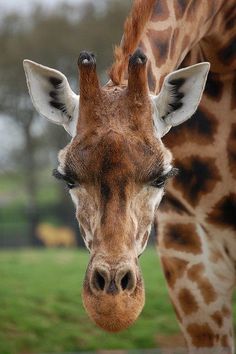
point(28, 194)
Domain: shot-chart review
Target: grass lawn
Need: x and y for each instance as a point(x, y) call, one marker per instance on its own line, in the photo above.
point(41, 309)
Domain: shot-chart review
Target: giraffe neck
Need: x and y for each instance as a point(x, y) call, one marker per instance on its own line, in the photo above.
point(196, 222)
point(171, 31)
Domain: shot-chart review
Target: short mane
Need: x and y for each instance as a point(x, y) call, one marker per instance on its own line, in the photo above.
point(133, 29)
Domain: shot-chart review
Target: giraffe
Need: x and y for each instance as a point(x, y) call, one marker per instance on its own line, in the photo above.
point(118, 163)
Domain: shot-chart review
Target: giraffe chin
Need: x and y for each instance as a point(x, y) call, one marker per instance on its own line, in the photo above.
point(114, 313)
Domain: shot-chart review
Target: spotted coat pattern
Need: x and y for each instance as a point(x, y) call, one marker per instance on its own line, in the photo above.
point(197, 218)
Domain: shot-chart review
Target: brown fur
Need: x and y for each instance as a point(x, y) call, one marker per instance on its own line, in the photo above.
point(133, 29)
point(218, 318)
point(174, 268)
point(114, 137)
point(196, 274)
point(187, 301)
point(183, 238)
point(115, 152)
point(114, 313)
point(115, 156)
point(202, 335)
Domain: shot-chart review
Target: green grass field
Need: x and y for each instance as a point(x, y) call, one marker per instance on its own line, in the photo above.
point(41, 309)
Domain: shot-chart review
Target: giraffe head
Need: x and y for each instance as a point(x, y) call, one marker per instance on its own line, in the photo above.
point(116, 167)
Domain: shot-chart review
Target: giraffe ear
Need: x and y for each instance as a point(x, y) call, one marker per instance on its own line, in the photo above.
point(179, 97)
point(51, 95)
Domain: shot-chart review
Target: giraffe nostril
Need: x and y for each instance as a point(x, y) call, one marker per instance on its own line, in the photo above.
point(111, 281)
point(99, 281)
point(127, 281)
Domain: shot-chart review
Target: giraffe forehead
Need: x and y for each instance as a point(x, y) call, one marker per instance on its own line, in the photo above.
point(114, 155)
point(115, 108)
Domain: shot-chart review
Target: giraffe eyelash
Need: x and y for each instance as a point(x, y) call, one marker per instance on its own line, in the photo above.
point(66, 178)
point(161, 180)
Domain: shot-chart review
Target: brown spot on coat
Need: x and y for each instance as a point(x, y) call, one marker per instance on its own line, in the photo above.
point(224, 341)
point(201, 129)
point(187, 301)
point(224, 212)
point(230, 18)
point(202, 335)
point(182, 237)
point(214, 87)
point(174, 269)
point(171, 203)
point(226, 311)
point(197, 275)
point(180, 7)
point(227, 55)
point(207, 290)
point(231, 147)
point(160, 41)
point(217, 317)
point(233, 94)
point(160, 11)
point(197, 177)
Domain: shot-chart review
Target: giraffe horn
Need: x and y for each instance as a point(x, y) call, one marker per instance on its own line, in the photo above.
point(89, 83)
point(137, 72)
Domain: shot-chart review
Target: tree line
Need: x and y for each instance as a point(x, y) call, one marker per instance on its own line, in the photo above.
point(53, 38)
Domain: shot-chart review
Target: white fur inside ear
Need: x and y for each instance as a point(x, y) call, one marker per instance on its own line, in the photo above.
point(160, 126)
point(194, 83)
point(179, 97)
point(51, 95)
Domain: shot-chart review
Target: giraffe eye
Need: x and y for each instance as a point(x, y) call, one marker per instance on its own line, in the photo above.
point(159, 182)
point(70, 184)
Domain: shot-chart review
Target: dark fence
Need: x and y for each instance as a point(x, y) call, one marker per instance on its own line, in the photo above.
point(53, 225)
point(14, 235)
point(50, 225)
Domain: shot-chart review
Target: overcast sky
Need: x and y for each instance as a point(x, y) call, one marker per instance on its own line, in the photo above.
point(25, 5)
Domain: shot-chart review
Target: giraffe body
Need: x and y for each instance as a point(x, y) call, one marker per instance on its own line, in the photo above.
point(197, 221)
point(119, 159)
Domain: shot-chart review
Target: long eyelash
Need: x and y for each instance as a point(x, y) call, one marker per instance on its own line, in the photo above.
point(161, 180)
point(172, 173)
point(57, 174)
point(62, 177)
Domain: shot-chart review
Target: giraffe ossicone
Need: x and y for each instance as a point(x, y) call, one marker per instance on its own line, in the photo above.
point(64, 108)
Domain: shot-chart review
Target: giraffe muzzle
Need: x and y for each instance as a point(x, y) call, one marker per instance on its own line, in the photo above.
point(113, 294)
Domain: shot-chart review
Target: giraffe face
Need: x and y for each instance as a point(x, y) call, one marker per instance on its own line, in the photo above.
point(116, 182)
point(116, 174)
point(115, 167)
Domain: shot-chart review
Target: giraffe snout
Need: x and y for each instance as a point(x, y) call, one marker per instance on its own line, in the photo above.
point(113, 292)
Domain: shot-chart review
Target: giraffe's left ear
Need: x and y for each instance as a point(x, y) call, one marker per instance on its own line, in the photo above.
point(179, 97)
point(51, 95)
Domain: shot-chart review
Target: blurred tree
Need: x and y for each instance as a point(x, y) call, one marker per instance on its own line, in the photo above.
point(53, 38)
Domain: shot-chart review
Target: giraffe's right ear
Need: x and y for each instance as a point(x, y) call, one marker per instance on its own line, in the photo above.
point(51, 95)
point(179, 97)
